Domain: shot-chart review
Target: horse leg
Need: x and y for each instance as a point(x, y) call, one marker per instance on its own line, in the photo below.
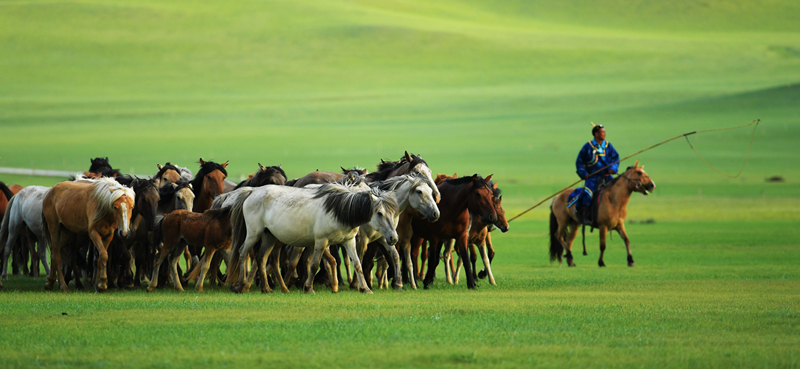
point(243, 284)
point(350, 246)
point(205, 264)
point(174, 258)
point(59, 242)
point(624, 235)
point(409, 264)
point(13, 231)
point(433, 251)
point(165, 249)
point(267, 245)
point(333, 274)
point(473, 258)
point(276, 271)
point(570, 239)
point(348, 269)
point(367, 263)
point(448, 261)
point(422, 252)
point(603, 232)
point(487, 263)
point(461, 246)
point(294, 258)
point(490, 252)
point(319, 246)
point(397, 283)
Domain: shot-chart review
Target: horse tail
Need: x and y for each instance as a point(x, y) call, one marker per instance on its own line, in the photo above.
point(583, 236)
point(238, 235)
point(556, 249)
point(4, 228)
point(6, 191)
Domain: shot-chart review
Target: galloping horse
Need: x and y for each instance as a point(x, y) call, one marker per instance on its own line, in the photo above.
point(460, 198)
point(328, 214)
point(208, 184)
point(24, 213)
point(210, 230)
point(94, 207)
point(611, 214)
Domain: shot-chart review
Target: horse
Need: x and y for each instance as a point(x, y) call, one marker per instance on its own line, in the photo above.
point(264, 176)
point(460, 198)
point(170, 173)
point(23, 215)
point(101, 168)
point(406, 165)
point(175, 196)
point(208, 184)
point(321, 176)
point(210, 230)
point(611, 214)
point(328, 214)
point(479, 234)
point(94, 207)
point(143, 219)
point(410, 191)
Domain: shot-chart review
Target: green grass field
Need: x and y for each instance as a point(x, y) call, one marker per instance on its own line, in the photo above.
point(507, 89)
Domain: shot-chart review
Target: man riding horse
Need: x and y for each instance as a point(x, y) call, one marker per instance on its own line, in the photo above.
point(595, 155)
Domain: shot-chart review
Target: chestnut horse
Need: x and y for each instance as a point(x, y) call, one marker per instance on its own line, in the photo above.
point(97, 208)
point(611, 214)
point(460, 197)
point(208, 184)
point(210, 230)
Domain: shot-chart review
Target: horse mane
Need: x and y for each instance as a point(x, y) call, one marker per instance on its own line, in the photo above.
point(387, 167)
point(167, 193)
point(205, 169)
point(105, 191)
point(613, 181)
point(467, 179)
point(351, 207)
point(390, 184)
point(262, 177)
point(6, 191)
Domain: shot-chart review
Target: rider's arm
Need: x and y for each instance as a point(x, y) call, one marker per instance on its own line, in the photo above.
point(613, 157)
point(580, 163)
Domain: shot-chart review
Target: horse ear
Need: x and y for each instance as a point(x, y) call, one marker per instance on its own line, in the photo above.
point(262, 167)
point(279, 166)
point(159, 166)
point(408, 157)
point(225, 164)
point(494, 186)
point(202, 162)
point(642, 167)
point(474, 177)
point(343, 170)
point(500, 199)
point(487, 179)
point(636, 164)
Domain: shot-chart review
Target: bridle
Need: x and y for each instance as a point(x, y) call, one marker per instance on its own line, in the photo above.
point(638, 185)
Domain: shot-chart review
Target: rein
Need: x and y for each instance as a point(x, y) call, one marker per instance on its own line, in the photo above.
point(686, 135)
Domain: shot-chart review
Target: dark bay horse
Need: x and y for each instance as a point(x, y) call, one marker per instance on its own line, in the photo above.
point(460, 197)
point(101, 168)
point(210, 230)
point(208, 184)
point(610, 216)
point(264, 176)
point(143, 219)
point(96, 208)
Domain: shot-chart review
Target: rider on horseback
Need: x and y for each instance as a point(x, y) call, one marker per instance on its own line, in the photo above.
point(595, 154)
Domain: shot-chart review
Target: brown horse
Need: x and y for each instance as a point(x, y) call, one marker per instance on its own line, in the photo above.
point(460, 197)
point(611, 214)
point(96, 208)
point(322, 177)
point(264, 176)
point(170, 173)
point(208, 184)
point(479, 234)
point(210, 230)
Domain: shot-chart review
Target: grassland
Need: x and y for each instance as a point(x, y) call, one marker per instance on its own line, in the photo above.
point(506, 89)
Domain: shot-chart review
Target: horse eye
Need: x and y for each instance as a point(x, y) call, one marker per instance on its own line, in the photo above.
point(380, 214)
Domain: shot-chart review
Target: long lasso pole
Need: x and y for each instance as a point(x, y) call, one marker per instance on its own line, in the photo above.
point(756, 122)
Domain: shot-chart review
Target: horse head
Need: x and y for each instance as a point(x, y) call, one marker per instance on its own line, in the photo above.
point(638, 180)
point(269, 175)
point(481, 201)
point(146, 201)
point(211, 178)
point(167, 174)
point(384, 213)
point(501, 222)
point(421, 199)
point(123, 206)
point(417, 165)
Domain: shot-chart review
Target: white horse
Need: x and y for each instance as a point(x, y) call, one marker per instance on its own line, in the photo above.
point(321, 216)
point(24, 211)
point(410, 191)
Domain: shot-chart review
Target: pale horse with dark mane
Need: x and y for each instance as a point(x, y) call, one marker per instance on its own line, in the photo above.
point(304, 217)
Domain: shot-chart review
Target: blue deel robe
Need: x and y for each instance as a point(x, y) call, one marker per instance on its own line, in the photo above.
point(591, 158)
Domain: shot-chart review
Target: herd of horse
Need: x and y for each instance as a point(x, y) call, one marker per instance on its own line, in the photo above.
point(108, 229)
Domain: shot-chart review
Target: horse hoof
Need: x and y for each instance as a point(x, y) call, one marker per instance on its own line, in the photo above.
point(265, 291)
point(482, 274)
point(601, 264)
point(366, 291)
point(630, 264)
point(150, 289)
point(425, 287)
point(398, 288)
point(310, 292)
point(48, 287)
point(235, 289)
point(99, 290)
point(571, 265)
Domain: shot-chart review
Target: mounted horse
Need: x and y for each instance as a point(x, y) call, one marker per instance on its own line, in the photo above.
point(23, 215)
point(611, 213)
point(329, 214)
point(460, 198)
point(210, 230)
point(97, 208)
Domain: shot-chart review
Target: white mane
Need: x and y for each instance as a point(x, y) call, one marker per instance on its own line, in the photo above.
point(105, 191)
